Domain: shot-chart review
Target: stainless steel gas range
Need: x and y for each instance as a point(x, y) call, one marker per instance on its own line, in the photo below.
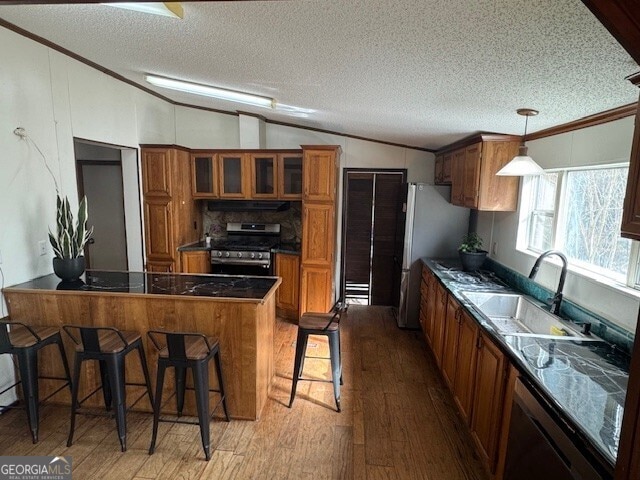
point(246, 250)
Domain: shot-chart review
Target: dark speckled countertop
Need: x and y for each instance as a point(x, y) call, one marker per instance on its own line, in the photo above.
point(586, 381)
point(217, 286)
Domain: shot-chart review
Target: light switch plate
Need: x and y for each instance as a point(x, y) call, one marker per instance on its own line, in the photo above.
point(42, 247)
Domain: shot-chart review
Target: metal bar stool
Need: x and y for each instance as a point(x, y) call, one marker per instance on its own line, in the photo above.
point(320, 324)
point(182, 350)
point(108, 346)
point(23, 342)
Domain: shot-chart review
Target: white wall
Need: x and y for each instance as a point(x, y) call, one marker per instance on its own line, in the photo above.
point(601, 144)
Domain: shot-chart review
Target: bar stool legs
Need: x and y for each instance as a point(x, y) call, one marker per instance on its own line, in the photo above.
point(200, 370)
point(28, 365)
point(333, 337)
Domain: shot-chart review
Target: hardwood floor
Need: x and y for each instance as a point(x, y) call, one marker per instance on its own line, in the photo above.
point(398, 421)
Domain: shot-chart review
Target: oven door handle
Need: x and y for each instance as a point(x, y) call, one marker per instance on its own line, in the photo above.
point(239, 261)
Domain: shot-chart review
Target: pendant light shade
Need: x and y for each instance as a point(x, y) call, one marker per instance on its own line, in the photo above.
point(522, 164)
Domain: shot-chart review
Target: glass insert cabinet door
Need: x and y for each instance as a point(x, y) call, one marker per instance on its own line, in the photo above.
point(290, 176)
point(232, 174)
point(204, 176)
point(264, 174)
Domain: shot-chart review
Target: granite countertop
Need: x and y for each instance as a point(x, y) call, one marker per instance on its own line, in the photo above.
point(585, 380)
point(217, 286)
point(195, 246)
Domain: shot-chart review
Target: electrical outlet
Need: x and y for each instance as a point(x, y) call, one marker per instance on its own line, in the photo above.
point(42, 247)
point(494, 248)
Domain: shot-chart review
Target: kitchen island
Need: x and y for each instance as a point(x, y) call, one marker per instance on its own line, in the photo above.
point(237, 310)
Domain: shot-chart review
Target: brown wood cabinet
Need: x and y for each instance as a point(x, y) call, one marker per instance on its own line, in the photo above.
point(290, 176)
point(204, 175)
point(318, 227)
point(247, 174)
point(264, 175)
point(465, 373)
point(170, 215)
point(234, 176)
point(427, 302)
point(474, 163)
point(443, 166)
point(450, 341)
point(195, 261)
point(488, 398)
point(288, 268)
point(439, 313)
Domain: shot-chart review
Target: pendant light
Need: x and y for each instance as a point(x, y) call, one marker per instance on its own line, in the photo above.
point(522, 164)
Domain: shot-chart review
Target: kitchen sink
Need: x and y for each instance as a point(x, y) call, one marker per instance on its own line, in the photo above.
point(514, 314)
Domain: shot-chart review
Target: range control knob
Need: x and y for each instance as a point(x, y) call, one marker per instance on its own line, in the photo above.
point(253, 255)
point(226, 254)
point(260, 256)
point(219, 254)
point(239, 254)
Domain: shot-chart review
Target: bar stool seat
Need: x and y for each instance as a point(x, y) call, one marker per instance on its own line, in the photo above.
point(109, 346)
point(23, 342)
point(182, 351)
point(112, 342)
point(328, 324)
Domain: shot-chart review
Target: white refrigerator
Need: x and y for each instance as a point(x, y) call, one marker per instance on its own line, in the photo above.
point(433, 229)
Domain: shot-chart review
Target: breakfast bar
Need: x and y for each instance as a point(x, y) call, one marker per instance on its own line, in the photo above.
point(237, 310)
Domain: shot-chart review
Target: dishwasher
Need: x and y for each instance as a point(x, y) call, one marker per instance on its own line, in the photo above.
point(539, 448)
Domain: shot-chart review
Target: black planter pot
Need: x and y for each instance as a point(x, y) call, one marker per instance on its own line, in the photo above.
point(472, 261)
point(68, 269)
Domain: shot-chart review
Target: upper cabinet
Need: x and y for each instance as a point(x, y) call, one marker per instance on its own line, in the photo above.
point(248, 174)
point(631, 210)
point(264, 175)
point(319, 175)
point(443, 169)
point(472, 166)
point(233, 176)
point(203, 176)
point(290, 176)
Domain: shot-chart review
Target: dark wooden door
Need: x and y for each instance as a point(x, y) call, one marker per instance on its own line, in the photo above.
point(385, 269)
point(372, 236)
point(357, 264)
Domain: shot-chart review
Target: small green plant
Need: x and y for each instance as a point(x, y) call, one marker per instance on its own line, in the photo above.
point(471, 243)
point(70, 238)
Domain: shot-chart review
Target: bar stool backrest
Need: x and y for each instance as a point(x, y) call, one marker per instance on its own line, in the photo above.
point(90, 337)
point(5, 339)
point(339, 308)
point(175, 342)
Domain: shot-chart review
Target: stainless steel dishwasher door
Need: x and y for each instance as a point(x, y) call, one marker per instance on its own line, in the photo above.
point(538, 448)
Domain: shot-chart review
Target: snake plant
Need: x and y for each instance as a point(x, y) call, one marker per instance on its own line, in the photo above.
point(70, 238)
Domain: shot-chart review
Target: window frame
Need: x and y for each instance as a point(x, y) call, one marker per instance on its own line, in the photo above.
point(600, 274)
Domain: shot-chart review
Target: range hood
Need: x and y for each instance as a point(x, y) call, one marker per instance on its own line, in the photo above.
point(247, 205)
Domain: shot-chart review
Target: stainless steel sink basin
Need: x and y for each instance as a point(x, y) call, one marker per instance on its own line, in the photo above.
point(513, 314)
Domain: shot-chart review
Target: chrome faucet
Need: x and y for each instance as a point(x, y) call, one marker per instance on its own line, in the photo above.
point(557, 298)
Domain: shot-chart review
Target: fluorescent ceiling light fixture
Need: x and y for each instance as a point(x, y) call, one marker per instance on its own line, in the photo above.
point(522, 164)
point(166, 9)
point(209, 91)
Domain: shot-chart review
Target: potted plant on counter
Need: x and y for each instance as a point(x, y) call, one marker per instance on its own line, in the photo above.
point(69, 240)
point(471, 254)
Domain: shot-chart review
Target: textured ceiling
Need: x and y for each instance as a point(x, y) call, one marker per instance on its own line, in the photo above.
point(416, 72)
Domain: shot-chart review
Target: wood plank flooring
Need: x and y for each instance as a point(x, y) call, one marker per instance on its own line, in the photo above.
point(398, 422)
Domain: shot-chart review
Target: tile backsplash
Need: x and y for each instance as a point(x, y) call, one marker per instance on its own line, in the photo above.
point(290, 221)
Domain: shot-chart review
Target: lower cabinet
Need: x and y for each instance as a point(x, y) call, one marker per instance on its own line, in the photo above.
point(316, 289)
point(488, 399)
point(196, 261)
point(438, 319)
point(288, 268)
point(465, 375)
point(450, 342)
point(473, 367)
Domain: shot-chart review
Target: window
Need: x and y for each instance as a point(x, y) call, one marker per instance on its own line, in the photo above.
point(579, 212)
